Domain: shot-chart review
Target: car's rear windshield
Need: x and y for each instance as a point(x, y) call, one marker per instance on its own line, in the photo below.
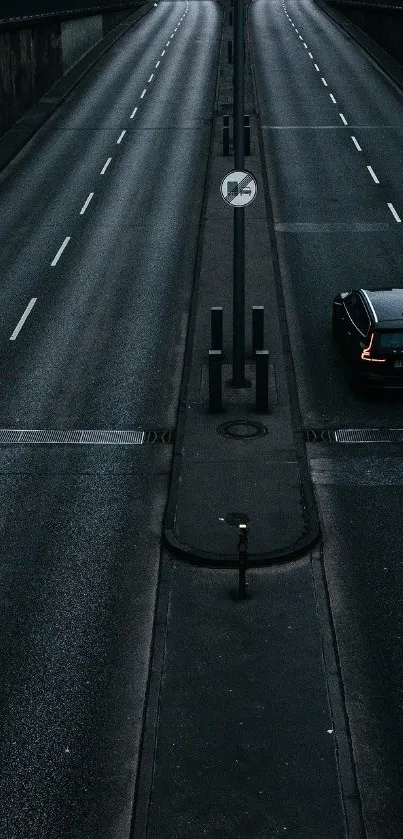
point(390, 340)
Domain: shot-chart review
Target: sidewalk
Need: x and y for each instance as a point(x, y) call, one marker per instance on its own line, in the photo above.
point(221, 478)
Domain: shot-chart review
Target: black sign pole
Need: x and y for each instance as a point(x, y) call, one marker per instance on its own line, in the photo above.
point(238, 311)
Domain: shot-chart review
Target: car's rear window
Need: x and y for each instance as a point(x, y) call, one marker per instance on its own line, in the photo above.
point(390, 340)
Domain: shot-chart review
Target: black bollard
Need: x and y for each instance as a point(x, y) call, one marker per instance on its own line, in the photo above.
point(216, 328)
point(262, 381)
point(230, 17)
point(246, 134)
point(225, 135)
point(257, 328)
point(215, 381)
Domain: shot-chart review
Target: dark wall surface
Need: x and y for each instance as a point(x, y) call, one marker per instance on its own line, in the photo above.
point(10, 9)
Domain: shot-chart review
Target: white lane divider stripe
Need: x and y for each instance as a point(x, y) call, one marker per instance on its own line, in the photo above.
point(310, 55)
point(324, 81)
point(393, 211)
point(167, 43)
point(121, 137)
point(372, 173)
point(83, 209)
point(106, 166)
point(143, 93)
point(332, 98)
point(305, 45)
point(300, 38)
point(163, 53)
point(60, 251)
point(316, 68)
point(134, 112)
point(151, 78)
point(356, 143)
point(343, 119)
point(22, 320)
point(157, 64)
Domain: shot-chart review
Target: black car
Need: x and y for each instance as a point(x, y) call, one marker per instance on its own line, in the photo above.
point(368, 325)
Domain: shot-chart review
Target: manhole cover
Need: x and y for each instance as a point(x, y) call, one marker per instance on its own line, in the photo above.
point(237, 519)
point(242, 429)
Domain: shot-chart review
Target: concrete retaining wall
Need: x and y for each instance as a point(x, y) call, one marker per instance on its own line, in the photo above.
point(33, 56)
point(383, 23)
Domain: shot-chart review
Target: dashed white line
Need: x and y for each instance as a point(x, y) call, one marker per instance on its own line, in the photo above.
point(157, 64)
point(151, 78)
point(310, 55)
point(332, 98)
point(296, 31)
point(356, 143)
point(393, 211)
point(121, 137)
point(324, 81)
point(83, 209)
point(60, 251)
point(300, 38)
point(372, 173)
point(134, 112)
point(167, 43)
point(316, 68)
point(305, 45)
point(343, 119)
point(143, 93)
point(22, 320)
point(163, 53)
point(106, 166)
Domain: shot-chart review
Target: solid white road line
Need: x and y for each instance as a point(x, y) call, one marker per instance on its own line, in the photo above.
point(134, 112)
point(121, 137)
point(357, 145)
point(393, 211)
point(372, 173)
point(143, 93)
point(151, 78)
point(106, 166)
point(332, 98)
point(83, 209)
point(324, 81)
point(343, 119)
point(60, 251)
point(21, 322)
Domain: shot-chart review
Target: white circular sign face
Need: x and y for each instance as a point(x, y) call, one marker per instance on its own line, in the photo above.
point(238, 188)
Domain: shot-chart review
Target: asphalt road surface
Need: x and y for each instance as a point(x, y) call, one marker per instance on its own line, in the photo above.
point(99, 218)
point(328, 114)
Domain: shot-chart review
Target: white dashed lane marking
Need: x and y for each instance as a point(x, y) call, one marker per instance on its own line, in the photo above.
point(393, 211)
point(316, 68)
point(151, 78)
point(158, 62)
point(310, 55)
point(143, 93)
point(134, 112)
point(324, 81)
point(83, 209)
point(106, 166)
point(121, 137)
point(332, 98)
point(343, 119)
point(22, 320)
point(356, 143)
point(60, 251)
point(372, 173)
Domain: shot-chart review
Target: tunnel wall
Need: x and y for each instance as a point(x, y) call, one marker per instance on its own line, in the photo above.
point(34, 54)
point(383, 22)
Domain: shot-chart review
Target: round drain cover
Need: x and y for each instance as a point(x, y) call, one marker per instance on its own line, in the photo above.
point(242, 429)
point(237, 519)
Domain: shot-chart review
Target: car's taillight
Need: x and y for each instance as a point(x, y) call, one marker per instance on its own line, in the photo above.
point(366, 354)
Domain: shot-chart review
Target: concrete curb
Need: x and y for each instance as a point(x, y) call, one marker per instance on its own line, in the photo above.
point(22, 131)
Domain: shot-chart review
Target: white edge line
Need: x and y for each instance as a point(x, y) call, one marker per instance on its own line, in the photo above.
point(83, 209)
point(106, 166)
point(60, 251)
point(22, 320)
point(393, 211)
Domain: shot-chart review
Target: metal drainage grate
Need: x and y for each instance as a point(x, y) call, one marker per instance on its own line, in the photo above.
point(353, 435)
point(242, 429)
point(104, 437)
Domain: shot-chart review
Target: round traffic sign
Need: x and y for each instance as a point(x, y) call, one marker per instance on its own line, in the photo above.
point(238, 188)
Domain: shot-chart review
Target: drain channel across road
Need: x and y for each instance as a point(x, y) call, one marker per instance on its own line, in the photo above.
point(102, 436)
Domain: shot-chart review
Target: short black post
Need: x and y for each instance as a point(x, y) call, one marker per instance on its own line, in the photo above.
point(246, 134)
point(257, 328)
point(243, 530)
point(215, 381)
point(229, 52)
point(230, 17)
point(216, 328)
point(262, 381)
point(225, 135)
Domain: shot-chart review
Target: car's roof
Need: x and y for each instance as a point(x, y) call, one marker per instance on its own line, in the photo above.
point(386, 305)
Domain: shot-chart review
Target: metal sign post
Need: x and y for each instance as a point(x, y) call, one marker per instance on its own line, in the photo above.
point(238, 310)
